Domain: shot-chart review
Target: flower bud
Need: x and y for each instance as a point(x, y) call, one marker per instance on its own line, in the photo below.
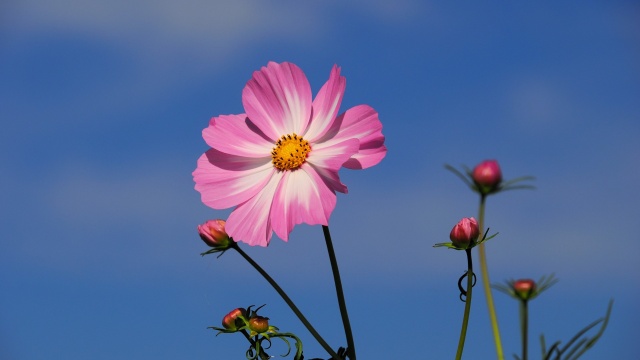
point(487, 175)
point(524, 288)
point(465, 233)
point(231, 320)
point(213, 234)
point(259, 324)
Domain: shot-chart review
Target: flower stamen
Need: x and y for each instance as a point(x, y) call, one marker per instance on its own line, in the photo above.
point(290, 152)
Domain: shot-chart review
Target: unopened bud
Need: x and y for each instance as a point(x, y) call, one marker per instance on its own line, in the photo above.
point(213, 234)
point(259, 324)
point(465, 233)
point(487, 175)
point(231, 320)
point(524, 288)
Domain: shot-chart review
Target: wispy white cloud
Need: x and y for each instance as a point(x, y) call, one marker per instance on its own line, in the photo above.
point(162, 47)
point(166, 26)
point(95, 198)
point(211, 32)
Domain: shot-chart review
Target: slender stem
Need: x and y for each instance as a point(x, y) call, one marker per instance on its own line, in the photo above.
point(486, 283)
point(351, 350)
point(263, 355)
point(467, 305)
point(524, 327)
point(289, 302)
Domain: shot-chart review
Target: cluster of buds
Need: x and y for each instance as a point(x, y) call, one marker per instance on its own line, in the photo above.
point(257, 329)
point(246, 319)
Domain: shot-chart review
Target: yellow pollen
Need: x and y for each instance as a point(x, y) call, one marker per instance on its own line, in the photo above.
point(290, 152)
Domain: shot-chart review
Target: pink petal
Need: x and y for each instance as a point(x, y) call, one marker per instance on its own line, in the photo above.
point(326, 105)
point(250, 222)
point(301, 197)
point(237, 135)
point(366, 158)
point(278, 100)
point(332, 154)
point(360, 122)
point(225, 180)
point(331, 179)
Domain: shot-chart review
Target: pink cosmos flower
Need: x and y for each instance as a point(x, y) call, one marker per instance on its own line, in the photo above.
point(278, 162)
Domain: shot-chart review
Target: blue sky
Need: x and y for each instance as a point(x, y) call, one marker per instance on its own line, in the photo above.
point(102, 106)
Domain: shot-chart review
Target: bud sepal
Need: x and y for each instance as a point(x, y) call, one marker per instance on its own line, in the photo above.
point(486, 178)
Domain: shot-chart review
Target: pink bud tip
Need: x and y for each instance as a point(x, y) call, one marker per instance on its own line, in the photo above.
point(524, 287)
point(213, 234)
point(487, 174)
point(465, 233)
point(231, 321)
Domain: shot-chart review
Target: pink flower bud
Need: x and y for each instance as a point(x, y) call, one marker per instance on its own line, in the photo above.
point(487, 175)
point(259, 324)
point(465, 233)
point(231, 321)
point(213, 234)
point(524, 288)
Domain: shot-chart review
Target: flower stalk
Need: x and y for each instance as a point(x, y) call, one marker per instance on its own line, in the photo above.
point(263, 355)
point(288, 301)
point(524, 327)
point(467, 305)
point(351, 350)
point(486, 284)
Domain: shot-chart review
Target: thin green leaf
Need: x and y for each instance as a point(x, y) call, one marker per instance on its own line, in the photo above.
point(460, 175)
point(517, 180)
point(502, 288)
point(575, 348)
point(579, 334)
point(593, 340)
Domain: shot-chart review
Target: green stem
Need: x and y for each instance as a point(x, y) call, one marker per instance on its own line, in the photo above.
point(467, 305)
point(287, 300)
point(486, 283)
point(263, 355)
point(524, 327)
point(351, 350)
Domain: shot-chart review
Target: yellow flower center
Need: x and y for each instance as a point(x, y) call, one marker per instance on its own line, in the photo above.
point(290, 152)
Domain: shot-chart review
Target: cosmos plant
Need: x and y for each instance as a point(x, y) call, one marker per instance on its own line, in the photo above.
point(277, 165)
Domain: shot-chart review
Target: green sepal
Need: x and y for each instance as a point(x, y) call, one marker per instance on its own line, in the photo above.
point(225, 331)
point(213, 251)
point(298, 344)
point(473, 244)
point(447, 245)
point(467, 178)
